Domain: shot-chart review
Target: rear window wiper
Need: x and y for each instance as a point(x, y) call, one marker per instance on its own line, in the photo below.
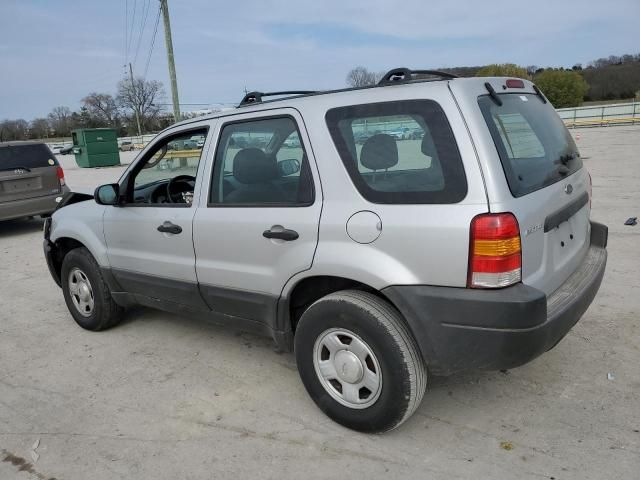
point(492, 93)
point(565, 159)
point(18, 167)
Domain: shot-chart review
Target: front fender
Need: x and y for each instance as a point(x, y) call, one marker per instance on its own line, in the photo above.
point(81, 222)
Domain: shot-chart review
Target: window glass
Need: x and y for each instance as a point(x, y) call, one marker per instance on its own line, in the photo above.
point(399, 152)
point(26, 155)
point(535, 147)
point(261, 162)
point(177, 157)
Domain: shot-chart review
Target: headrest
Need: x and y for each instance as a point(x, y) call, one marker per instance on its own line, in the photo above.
point(379, 152)
point(428, 147)
point(251, 165)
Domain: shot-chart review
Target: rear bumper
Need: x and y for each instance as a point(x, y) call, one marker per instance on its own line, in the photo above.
point(30, 206)
point(461, 329)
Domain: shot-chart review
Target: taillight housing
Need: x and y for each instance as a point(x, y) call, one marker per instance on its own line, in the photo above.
point(495, 253)
point(514, 83)
point(60, 174)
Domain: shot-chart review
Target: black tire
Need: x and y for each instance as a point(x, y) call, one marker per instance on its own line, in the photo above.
point(382, 328)
point(105, 312)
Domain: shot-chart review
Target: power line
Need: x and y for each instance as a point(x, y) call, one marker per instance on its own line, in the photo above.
point(143, 21)
point(126, 30)
point(133, 21)
point(153, 41)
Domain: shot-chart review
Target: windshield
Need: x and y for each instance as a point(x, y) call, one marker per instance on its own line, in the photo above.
point(34, 155)
point(534, 145)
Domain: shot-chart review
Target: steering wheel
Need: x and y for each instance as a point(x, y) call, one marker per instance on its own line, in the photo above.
point(174, 196)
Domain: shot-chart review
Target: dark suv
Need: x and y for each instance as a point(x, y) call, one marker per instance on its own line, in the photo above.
point(30, 180)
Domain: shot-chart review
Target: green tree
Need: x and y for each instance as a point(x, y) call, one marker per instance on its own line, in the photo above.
point(563, 88)
point(503, 70)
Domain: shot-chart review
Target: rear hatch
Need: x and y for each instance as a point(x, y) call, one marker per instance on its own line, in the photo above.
point(548, 188)
point(27, 170)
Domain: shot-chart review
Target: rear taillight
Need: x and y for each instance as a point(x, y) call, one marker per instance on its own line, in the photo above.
point(60, 174)
point(495, 255)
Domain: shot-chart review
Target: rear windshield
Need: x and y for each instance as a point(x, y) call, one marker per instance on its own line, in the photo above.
point(399, 152)
point(535, 147)
point(26, 156)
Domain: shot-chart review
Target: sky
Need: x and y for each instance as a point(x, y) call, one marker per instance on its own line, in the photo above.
point(54, 52)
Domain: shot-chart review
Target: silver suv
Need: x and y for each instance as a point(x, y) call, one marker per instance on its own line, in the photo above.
point(375, 257)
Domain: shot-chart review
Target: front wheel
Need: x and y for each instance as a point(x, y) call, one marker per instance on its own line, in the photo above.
point(86, 294)
point(359, 362)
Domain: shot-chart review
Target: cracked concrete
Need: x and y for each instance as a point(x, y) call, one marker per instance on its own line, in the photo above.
point(168, 397)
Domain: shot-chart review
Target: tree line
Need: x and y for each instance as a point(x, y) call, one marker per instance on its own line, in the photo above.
point(611, 78)
point(98, 110)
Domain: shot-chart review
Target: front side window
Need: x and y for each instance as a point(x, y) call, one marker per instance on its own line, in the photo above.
point(534, 146)
point(399, 152)
point(261, 163)
point(168, 174)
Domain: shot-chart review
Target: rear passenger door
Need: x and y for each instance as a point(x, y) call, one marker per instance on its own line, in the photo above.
point(257, 224)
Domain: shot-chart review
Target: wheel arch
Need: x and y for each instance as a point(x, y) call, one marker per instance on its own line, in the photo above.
point(306, 291)
point(62, 245)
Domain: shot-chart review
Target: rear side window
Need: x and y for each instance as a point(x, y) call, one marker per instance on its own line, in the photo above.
point(26, 156)
point(399, 152)
point(535, 148)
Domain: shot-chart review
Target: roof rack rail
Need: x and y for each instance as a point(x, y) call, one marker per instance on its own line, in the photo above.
point(401, 75)
point(256, 97)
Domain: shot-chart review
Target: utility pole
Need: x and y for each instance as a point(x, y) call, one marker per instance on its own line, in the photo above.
point(172, 66)
point(135, 109)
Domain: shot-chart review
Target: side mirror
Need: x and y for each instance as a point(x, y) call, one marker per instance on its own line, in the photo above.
point(107, 194)
point(288, 167)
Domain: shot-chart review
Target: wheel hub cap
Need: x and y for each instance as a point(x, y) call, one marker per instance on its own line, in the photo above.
point(81, 292)
point(347, 368)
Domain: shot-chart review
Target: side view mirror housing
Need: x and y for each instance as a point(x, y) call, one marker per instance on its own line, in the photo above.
point(107, 194)
point(288, 167)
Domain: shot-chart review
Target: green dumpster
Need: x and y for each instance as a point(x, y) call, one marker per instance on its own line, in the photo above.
point(96, 147)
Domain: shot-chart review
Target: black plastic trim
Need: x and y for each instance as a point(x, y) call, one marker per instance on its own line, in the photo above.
point(404, 75)
point(252, 98)
point(565, 213)
point(168, 289)
point(460, 329)
point(256, 306)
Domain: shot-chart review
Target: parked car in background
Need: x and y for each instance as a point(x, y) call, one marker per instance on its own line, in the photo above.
point(199, 139)
point(66, 150)
point(293, 141)
point(414, 134)
point(399, 133)
point(30, 180)
point(377, 265)
point(127, 146)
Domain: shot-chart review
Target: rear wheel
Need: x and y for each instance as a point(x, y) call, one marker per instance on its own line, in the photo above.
point(85, 292)
point(359, 362)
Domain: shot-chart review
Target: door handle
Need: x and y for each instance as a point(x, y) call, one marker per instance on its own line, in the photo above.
point(168, 227)
point(281, 234)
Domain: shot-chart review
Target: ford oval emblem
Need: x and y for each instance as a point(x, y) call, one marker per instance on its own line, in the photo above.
point(568, 188)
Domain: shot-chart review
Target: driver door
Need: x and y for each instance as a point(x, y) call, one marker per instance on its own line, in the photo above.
point(149, 237)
